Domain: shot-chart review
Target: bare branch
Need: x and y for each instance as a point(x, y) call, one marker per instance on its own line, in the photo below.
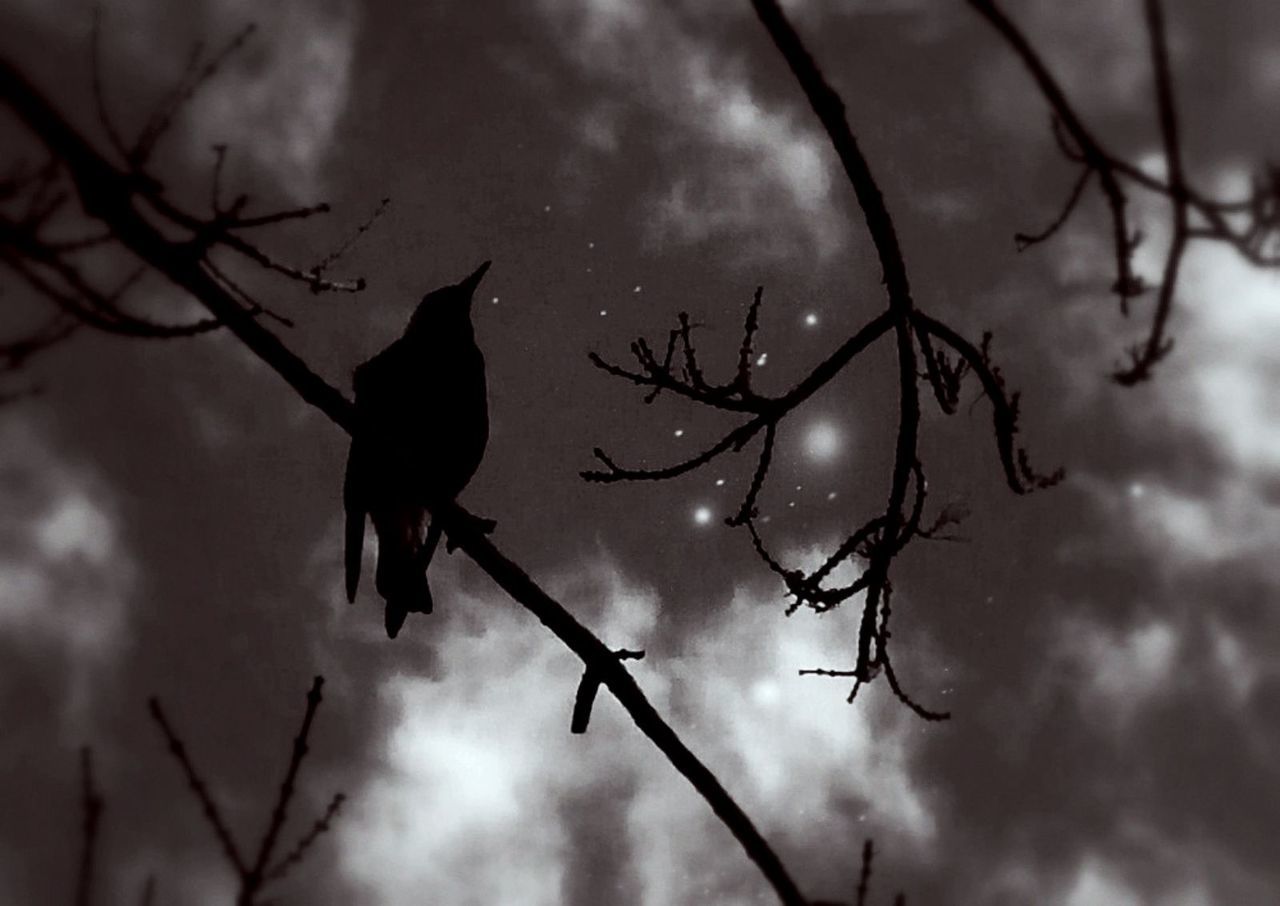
point(281, 808)
point(742, 381)
point(864, 876)
point(1157, 347)
point(198, 787)
point(1026, 240)
point(1126, 284)
point(299, 852)
point(584, 699)
point(106, 194)
point(1004, 409)
point(197, 76)
point(747, 511)
point(342, 249)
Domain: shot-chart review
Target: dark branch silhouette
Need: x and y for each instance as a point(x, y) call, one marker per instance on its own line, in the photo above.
point(254, 876)
point(1249, 225)
point(876, 543)
point(864, 876)
point(112, 196)
point(863, 891)
point(584, 699)
point(151, 234)
point(69, 270)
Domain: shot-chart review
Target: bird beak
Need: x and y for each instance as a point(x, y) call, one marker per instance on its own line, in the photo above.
point(470, 283)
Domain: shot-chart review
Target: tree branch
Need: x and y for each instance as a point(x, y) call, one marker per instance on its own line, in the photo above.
point(105, 193)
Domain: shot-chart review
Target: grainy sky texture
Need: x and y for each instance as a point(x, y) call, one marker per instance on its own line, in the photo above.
point(1110, 649)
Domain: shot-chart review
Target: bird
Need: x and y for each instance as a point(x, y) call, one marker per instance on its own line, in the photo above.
point(420, 431)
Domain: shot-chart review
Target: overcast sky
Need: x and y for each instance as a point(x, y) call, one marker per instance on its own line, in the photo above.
point(1110, 649)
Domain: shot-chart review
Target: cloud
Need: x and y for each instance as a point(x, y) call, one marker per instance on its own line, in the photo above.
point(1096, 882)
point(66, 576)
point(1134, 865)
point(1097, 50)
point(1120, 670)
point(1211, 395)
point(1212, 391)
point(739, 166)
point(484, 796)
point(282, 103)
point(276, 102)
point(1229, 343)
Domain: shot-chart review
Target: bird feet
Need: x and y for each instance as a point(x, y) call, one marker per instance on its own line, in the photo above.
point(475, 523)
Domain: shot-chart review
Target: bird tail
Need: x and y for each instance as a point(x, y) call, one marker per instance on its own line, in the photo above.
point(402, 571)
point(424, 560)
point(355, 517)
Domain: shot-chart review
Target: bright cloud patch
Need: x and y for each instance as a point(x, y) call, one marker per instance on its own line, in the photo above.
point(1215, 390)
point(1229, 340)
point(65, 577)
point(485, 795)
point(738, 166)
point(1121, 669)
point(276, 101)
point(280, 105)
point(1095, 883)
point(1173, 872)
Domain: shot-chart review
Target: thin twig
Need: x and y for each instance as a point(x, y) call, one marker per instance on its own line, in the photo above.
point(198, 788)
point(300, 850)
point(280, 811)
point(864, 876)
point(1156, 346)
point(162, 118)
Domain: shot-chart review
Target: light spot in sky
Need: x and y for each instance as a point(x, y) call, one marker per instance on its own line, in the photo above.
point(831, 495)
point(764, 357)
point(637, 289)
point(495, 300)
point(679, 432)
point(76, 528)
point(591, 245)
point(1136, 489)
point(811, 320)
point(822, 441)
point(766, 692)
point(603, 312)
point(547, 209)
point(719, 482)
point(702, 515)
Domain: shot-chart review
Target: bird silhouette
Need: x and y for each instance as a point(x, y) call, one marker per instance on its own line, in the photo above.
point(421, 426)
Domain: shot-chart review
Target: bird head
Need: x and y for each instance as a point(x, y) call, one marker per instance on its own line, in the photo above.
point(448, 308)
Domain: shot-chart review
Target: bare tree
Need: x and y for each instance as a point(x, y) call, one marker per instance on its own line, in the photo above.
point(929, 351)
point(125, 199)
point(147, 233)
point(253, 873)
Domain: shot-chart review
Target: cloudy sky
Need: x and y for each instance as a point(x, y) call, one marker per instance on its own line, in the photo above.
point(1108, 649)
